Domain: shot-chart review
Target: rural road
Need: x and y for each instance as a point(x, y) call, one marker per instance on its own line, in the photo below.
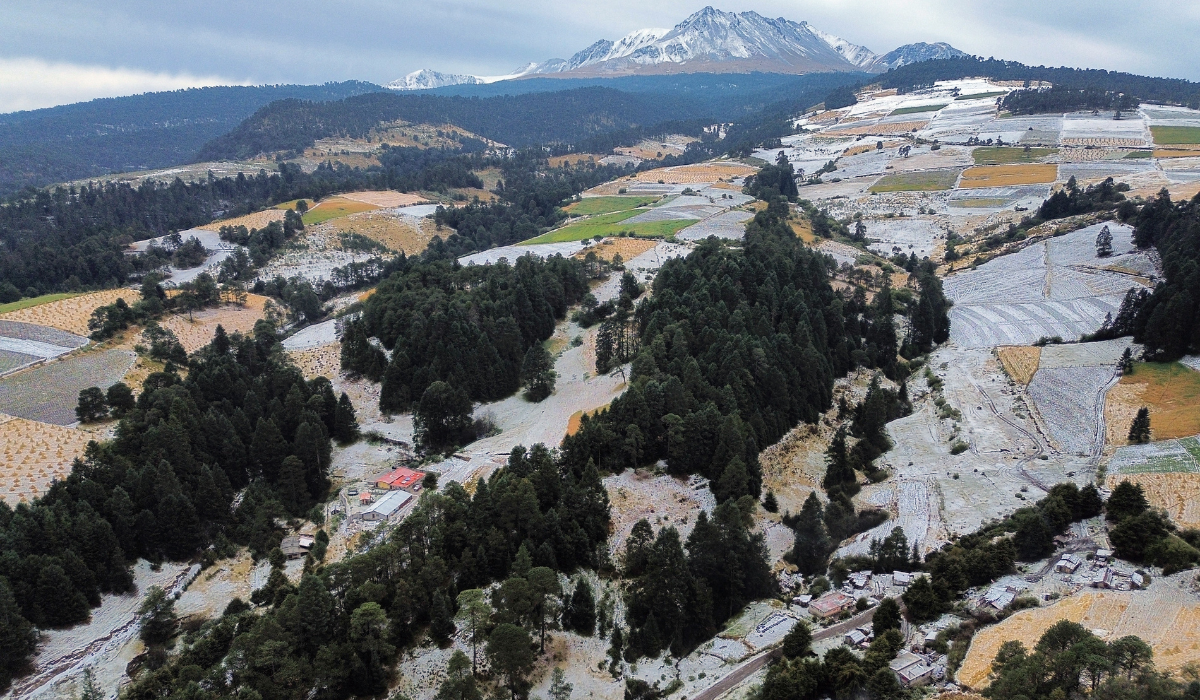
point(748, 667)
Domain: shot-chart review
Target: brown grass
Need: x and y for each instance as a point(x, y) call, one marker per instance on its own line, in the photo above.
point(1166, 622)
point(879, 129)
point(33, 455)
point(697, 173)
point(198, 331)
point(577, 418)
point(573, 159)
point(629, 248)
point(1103, 141)
point(323, 361)
point(1171, 392)
point(72, 314)
point(1177, 152)
point(258, 219)
point(394, 231)
point(803, 231)
point(1176, 492)
point(1019, 361)
point(1004, 175)
point(386, 198)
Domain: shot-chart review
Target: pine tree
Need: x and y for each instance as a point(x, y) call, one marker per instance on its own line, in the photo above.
point(838, 472)
point(798, 641)
point(441, 624)
point(92, 405)
point(537, 373)
point(345, 423)
point(1139, 430)
point(292, 489)
point(17, 638)
point(1104, 243)
point(583, 609)
point(812, 544)
point(770, 503)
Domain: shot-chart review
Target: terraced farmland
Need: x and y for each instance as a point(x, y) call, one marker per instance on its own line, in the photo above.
point(72, 313)
point(922, 181)
point(49, 393)
point(33, 455)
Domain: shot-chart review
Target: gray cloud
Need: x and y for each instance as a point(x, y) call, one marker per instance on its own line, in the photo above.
point(310, 41)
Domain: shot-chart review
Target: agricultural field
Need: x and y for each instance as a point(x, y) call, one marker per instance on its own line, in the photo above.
point(1005, 155)
point(611, 225)
point(880, 129)
point(397, 232)
point(1175, 135)
point(1055, 287)
point(1170, 390)
point(71, 313)
point(699, 173)
point(1166, 456)
point(907, 235)
point(609, 248)
point(320, 361)
point(1164, 616)
point(1069, 400)
point(1178, 493)
point(24, 344)
point(1003, 175)
point(918, 109)
point(258, 219)
point(919, 181)
point(49, 393)
point(333, 208)
point(607, 205)
point(30, 302)
point(33, 455)
point(729, 225)
point(386, 199)
point(512, 252)
point(1020, 362)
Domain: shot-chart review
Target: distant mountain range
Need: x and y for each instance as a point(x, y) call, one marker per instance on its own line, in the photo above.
point(709, 41)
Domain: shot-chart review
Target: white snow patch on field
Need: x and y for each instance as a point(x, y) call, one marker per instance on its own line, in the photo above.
point(1070, 401)
point(912, 236)
point(313, 336)
point(512, 252)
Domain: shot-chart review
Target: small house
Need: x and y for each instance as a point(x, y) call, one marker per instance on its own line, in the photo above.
point(855, 638)
point(802, 600)
point(1068, 564)
point(902, 578)
point(860, 579)
point(911, 670)
point(1103, 555)
point(296, 546)
point(999, 597)
point(831, 605)
point(1138, 580)
point(931, 638)
point(1105, 578)
point(400, 478)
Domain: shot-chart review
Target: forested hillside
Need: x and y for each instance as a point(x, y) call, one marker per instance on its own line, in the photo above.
point(117, 134)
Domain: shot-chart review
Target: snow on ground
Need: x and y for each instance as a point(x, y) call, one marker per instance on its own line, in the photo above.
point(1055, 287)
point(211, 240)
point(313, 336)
point(665, 501)
point(1069, 399)
point(911, 236)
point(730, 225)
point(512, 252)
point(106, 644)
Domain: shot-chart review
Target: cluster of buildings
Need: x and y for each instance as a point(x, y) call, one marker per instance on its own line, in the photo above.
point(380, 499)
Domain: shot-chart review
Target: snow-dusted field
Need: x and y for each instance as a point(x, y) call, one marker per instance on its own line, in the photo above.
point(731, 225)
point(910, 235)
point(1070, 401)
point(512, 252)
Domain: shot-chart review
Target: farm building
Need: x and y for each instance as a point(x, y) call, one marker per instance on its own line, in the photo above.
point(1068, 564)
point(802, 600)
point(999, 597)
point(400, 478)
point(911, 670)
point(296, 546)
point(860, 579)
point(902, 578)
point(387, 507)
point(855, 638)
point(831, 604)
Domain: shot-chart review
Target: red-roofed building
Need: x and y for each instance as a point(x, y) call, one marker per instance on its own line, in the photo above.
point(401, 478)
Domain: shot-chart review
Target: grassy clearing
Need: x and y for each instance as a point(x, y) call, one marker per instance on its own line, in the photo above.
point(607, 205)
point(1175, 135)
point(925, 181)
point(31, 302)
point(1139, 154)
point(979, 96)
point(978, 203)
point(916, 110)
point(804, 232)
point(1172, 393)
point(71, 313)
point(1005, 175)
point(1003, 155)
point(334, 208)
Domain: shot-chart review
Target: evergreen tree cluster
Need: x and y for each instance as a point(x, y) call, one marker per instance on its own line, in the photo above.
point(244, 418)
point(679, 594)
point(1141, 534)
point(772, 181)
point(1072, 201)
point(337, 633)
point(470, 327)
point(736, 348)
point(840, 673)
point(1060, 98)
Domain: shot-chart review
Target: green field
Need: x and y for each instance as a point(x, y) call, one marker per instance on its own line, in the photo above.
point(610, 225)
point(980, 203)
point(607, 205)
point(979, 96)
point(1004, 155)
point(1139, 154)
point(927, 181)
point(1175, 135)
point(915, 110)
point(35, 301)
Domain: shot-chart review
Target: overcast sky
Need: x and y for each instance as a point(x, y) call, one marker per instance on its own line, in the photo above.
point(61, 51)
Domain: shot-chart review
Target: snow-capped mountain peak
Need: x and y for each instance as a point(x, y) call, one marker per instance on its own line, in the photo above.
point(858, 55)
point(426, 79)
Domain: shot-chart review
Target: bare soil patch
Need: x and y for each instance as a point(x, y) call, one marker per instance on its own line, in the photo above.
point(627, 248)
point(323, 361)
point(697, 173)
point(258, 219)
point(400, 233)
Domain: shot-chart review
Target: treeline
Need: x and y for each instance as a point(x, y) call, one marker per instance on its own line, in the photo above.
point(1072, 201)
point(1068, 99)
point(737, 347)
point(1138, 87)
point(138, 132)
point(467, 326)
point(337, 633)
point(1142, 534)
point(244, 420)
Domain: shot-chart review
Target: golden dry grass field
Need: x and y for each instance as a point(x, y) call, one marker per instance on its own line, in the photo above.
point(1170, 390)
point(72, 314)
point(258, 219)
point(627, 248)
point(1178, 493)
point(196, 332)
point(697, 173)
point(1167, 620)
point(1019, 361)
point(33, 455)
point(396, 232)
point(1104, 141)
point(1005, 175)
point(887, 129)
point(386, 198)
point(334, 208)
point(573, 159)
point(323, 361)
